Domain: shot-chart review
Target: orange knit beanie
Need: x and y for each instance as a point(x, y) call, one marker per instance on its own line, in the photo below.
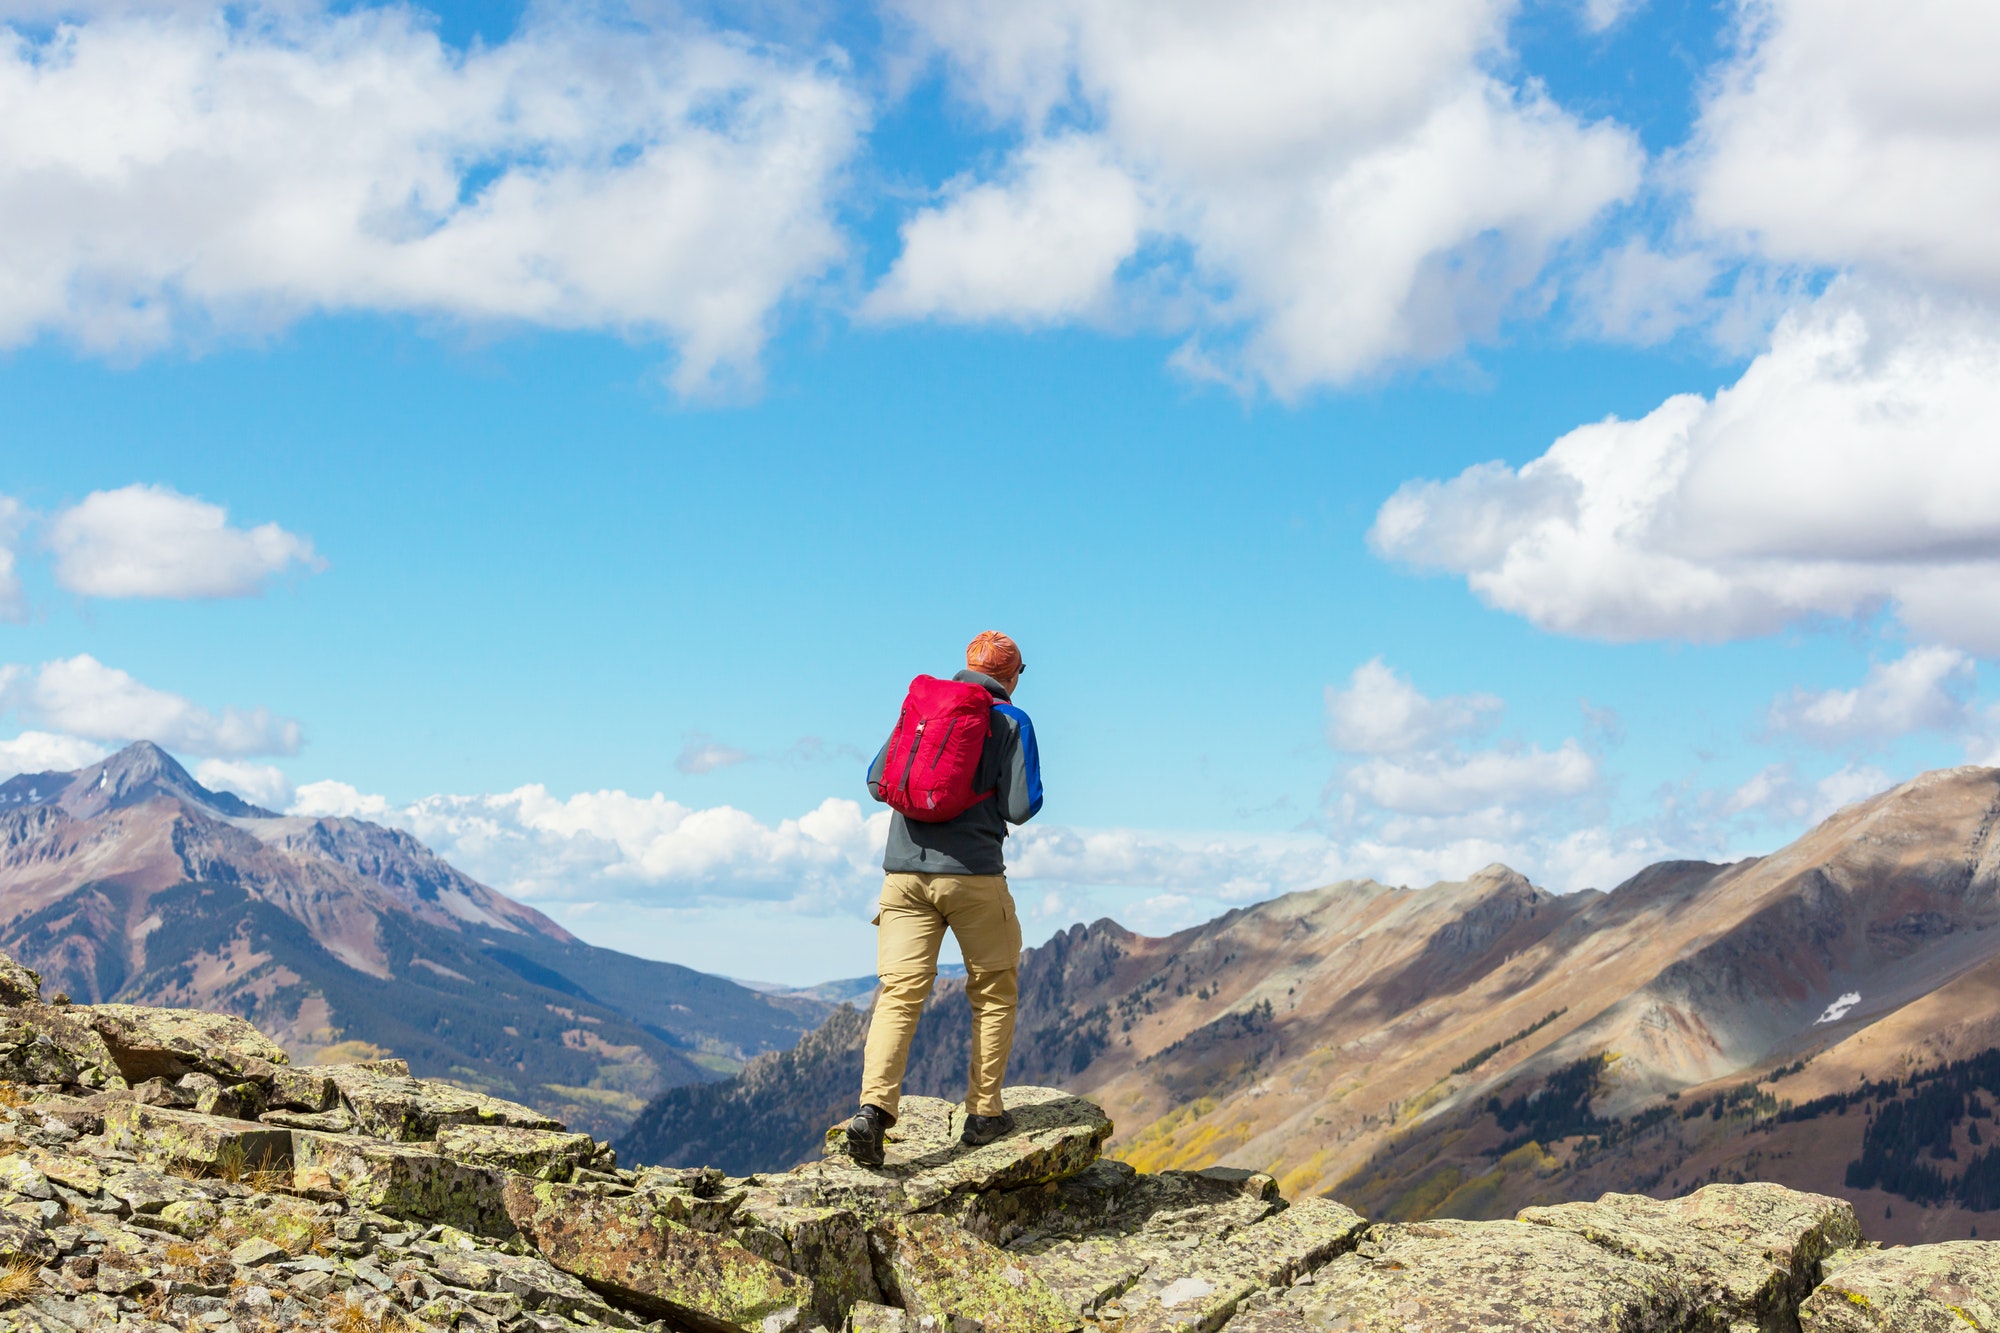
point(994, 654)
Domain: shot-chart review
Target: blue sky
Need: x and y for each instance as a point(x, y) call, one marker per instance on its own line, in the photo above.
point(568, 443)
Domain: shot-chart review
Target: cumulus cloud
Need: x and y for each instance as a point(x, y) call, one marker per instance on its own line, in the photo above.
point(1851, 466)
point(646, 850)
point(151, 541)
point(170, 171)
point(1312, 190)
point(47, 752)
point(85, 698)
point(1381, 712)
point(620, 851)
point(1926, 689)
point(1040, 245)
point(1853, 134)
point(1455, 783)
point(340, 800)
point(1415, 762)
point(259, 784)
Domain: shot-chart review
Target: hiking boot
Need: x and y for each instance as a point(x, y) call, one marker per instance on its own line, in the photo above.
point(981, 1130)
point(864, 1134)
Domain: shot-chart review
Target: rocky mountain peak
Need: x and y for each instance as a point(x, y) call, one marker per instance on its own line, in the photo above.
point(138, 773)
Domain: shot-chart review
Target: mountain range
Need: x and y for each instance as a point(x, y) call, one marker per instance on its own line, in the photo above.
point(129, 880)
point(1827, 1017)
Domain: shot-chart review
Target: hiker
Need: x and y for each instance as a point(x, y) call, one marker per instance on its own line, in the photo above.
point(959, 768)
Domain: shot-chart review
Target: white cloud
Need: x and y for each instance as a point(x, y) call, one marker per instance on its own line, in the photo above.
point(46, 752)
point(1777, 794)
point(1926, 689)
point(1313, 189)
point(150, 541)
point(1042, 245)
point(623, 852)
point(259, 784)
point(1381, 712)
point(1637, 293)
point(339, 800)
point(1236, 867)
point(85, 698)
point(651, 851)
point(1415, 763)
point(1456, 784)
point(1600, 15)
point(1857, 134)
point(1851, 465)
point(172, 171)
point(701, 753)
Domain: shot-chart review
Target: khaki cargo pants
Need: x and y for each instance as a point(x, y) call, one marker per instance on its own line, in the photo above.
point(915, 912)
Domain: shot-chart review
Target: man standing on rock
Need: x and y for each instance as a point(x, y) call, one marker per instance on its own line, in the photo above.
point(959, 768)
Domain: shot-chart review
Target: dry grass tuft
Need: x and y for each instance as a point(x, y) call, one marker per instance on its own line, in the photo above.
point(11, 1095)
point(349, 1317)
point(18, 1277)
point(232, 1165)
point(182, 1255)
point(231, 1162)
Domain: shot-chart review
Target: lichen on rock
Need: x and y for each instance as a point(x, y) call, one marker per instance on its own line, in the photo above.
point(1480, 1276)
point(544, 1154)
point(933, 1268)
point(1953, 1287)
point(628, 1246)
point(1750, 1252)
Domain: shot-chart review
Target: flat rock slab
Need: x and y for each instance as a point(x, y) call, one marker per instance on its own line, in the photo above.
point(216, 1145)
point(1110, 1199)
point(1953, 1287)
point(389, 1104)
point(1055, 1136)
point(400, 1180)
point(1748, 1253)
point(172, 1043)
point(1471, 1277)
point(938, 1271)
point(147, 1192)
point(627, 1246)
point(1194, 1285)
point(545, 1154)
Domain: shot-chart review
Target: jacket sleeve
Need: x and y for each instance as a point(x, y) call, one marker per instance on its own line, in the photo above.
point(875, 771)
point(1020, 793)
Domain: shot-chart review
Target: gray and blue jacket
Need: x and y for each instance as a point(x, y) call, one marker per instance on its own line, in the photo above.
point(1009, 767)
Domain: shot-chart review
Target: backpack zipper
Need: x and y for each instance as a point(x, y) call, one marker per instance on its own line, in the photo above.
point(946, 740)
point(916, 744)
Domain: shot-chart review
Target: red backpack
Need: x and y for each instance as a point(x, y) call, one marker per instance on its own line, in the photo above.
point(928, 769)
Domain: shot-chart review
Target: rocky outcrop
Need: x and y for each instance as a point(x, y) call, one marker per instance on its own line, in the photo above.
point(360, 1198)
point(1948, 1288)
